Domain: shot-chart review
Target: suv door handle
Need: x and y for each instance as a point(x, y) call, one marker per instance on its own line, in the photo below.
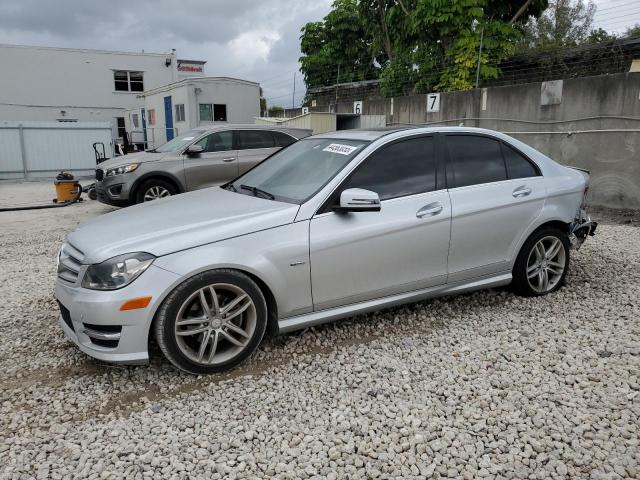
point(522, 191)
point(430, 210)
point(228, 159)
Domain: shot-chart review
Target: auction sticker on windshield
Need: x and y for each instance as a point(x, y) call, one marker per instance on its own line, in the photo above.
point(339, 148)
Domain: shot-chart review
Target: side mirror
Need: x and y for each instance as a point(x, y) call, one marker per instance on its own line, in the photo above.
point(358, 200)
point(194, 150)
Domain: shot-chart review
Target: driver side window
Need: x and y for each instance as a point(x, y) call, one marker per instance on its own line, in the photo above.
point(217, 142)
point(406, 167)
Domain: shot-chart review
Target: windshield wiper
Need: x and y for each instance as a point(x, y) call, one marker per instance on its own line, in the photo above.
point(256, 191)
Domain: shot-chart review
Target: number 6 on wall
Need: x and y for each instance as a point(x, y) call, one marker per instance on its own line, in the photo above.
point(433, 102)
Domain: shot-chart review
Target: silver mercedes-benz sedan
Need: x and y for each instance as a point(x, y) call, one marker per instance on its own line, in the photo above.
point(329, 227)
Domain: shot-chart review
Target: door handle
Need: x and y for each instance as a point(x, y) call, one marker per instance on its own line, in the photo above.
point(521, 192)
point(430, 210)
point(228, 159)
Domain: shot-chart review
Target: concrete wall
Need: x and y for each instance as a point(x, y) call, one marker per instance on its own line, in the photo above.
point(589, 122)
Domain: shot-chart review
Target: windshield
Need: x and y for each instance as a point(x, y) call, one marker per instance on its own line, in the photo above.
point(180, 141)
point(297, 172)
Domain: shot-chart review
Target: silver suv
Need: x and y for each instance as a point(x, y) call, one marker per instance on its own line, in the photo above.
point(200, 158)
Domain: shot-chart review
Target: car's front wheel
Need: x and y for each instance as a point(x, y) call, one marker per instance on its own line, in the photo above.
point(211, 322)
point(542, 263)
point(154, 189)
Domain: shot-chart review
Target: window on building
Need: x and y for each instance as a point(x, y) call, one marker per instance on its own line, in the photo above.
point(475, 160)
point(179, 112)
point(151, 117)
point(220, 112)
point(206, 112)
point(407, 167)
point(126, 81)
point(135, 120)
point(249, 139)
point(122, 132)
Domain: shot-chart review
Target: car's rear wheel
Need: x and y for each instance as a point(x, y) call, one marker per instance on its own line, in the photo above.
point(211, 322)
point(154, 189)
point(542, 264)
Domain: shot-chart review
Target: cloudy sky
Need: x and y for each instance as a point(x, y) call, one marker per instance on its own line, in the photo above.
point(253, 39)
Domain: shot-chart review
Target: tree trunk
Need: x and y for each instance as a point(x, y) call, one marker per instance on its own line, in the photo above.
point(385, 30)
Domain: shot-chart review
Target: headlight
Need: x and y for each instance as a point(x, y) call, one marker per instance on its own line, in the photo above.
point(122, 169)
point(117, 271)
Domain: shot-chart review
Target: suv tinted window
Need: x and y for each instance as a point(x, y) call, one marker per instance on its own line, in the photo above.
point(474, 160)
point(217, 142)
point(254, 139)
point(282, 139)
point(517, 165)
point(403, 168)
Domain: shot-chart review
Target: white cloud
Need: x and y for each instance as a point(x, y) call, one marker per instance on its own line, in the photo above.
point(252, 47)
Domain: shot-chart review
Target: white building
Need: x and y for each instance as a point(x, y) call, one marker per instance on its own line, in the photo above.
point(78, 85)
point(178, 107)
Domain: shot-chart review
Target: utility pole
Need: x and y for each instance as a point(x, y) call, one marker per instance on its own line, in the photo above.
point(337, 77)
point(293, 97)
point(479, 56)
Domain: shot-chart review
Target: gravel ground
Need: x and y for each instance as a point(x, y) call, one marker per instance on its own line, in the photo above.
point(482, 385)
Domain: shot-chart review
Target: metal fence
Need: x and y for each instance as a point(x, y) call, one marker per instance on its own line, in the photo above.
point(41, 149)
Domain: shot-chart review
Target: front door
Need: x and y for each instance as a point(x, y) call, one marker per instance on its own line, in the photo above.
point(168, 118)
point(496, 193)
point(217, 164)
point(365, 255)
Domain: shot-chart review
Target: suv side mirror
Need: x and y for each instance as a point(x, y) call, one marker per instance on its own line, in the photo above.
point(358, 200)
point(194, 150)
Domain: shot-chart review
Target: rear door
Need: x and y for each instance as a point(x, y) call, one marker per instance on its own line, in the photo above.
point(492, 205)
point(217, 164)
point(253, 146)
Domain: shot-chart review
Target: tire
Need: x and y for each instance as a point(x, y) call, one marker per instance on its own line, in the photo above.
point(93, 194)
point(528, 280)
point(182, 322)
point(153, 189)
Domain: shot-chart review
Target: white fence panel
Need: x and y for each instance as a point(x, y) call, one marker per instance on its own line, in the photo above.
point(10, 156)
point(50, 147)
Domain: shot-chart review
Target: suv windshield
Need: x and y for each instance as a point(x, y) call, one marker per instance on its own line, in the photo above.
point(297, 172)
point(178, 142)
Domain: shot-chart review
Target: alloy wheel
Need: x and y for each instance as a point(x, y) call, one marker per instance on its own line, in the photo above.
point(156, 192)
point(546, 264)
point(215, 323)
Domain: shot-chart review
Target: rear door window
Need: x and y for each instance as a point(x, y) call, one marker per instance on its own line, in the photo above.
point(474, 160)
point(251, 139)
point(517, 165)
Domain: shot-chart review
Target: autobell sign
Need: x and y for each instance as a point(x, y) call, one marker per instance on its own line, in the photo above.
point(190, 67)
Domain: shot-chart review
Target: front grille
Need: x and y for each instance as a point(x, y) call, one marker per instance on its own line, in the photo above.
point(99, 174)
point(69, 263)
point(66, 316)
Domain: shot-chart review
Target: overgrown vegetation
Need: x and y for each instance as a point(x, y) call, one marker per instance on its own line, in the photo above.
point(435, 45)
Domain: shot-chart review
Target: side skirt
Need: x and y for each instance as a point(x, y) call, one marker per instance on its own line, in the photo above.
point(316, 318)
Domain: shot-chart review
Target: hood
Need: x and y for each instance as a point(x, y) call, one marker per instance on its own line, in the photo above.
point(178, 223)
point(138, 157)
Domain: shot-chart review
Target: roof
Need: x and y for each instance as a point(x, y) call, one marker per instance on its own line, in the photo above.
point(85, 50)
point(244, 126)
point(368, 134)
point(186, 81)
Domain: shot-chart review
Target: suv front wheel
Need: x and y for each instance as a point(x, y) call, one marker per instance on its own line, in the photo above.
point(153, 189)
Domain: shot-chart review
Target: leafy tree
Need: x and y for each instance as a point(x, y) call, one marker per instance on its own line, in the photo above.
point(338, 49)
point(276, 111)
point(633, 31)
point(566, 23)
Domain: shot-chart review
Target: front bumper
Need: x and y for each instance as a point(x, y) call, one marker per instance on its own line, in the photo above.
point(93, 321)
point(114, 190)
